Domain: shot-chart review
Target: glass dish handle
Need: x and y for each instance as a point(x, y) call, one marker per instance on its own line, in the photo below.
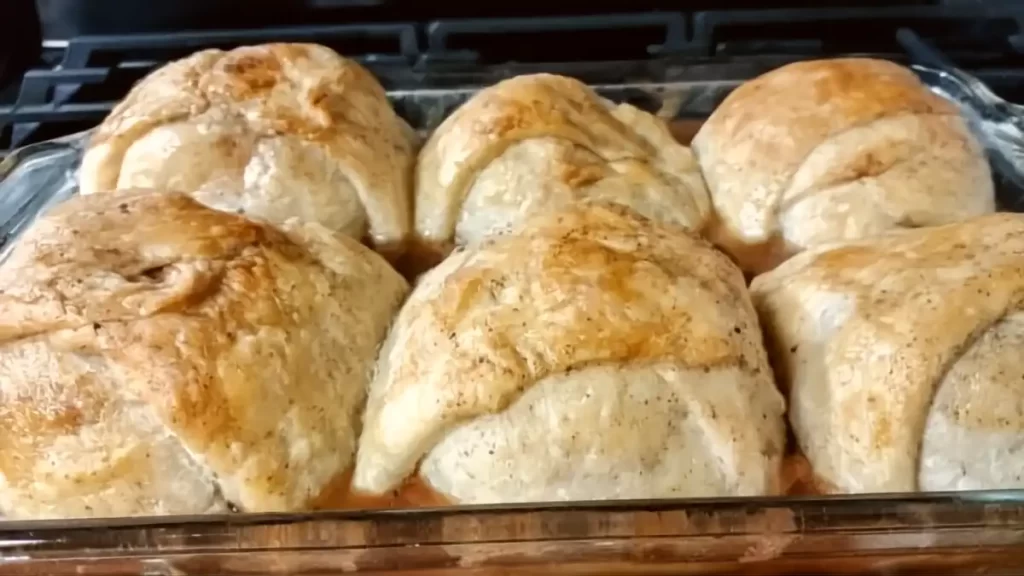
point(999, 124)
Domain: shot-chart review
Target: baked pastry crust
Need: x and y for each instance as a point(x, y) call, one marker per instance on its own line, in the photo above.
point(832, 150)
point(901, 356)
point(161, 357)
point(593, 354)
point(275, 131)
point(538, 142)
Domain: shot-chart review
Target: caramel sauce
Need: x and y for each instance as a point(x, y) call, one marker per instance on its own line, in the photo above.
point(684, 129)
point(798, 478)
point(414, 493)
point(420, 257)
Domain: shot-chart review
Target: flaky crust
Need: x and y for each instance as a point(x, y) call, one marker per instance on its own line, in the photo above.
point(641, 336)
point(831, 150)
point(901, 356)
point(276, 131)
point(536, 142)
point(158, 356)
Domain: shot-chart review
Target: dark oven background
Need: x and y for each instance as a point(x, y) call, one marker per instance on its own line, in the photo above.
point(64, 63)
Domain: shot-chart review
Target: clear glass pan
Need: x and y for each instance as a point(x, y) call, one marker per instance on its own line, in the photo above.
point(967, 533)
point(978, 533)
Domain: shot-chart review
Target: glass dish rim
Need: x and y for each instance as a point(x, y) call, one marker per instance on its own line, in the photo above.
point(769, 532)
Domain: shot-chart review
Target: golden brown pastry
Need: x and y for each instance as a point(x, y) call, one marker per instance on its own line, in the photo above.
point(594, 354)
point(534, 143)
point(902, 356)
point(276, 131)
point(161, 357)
point(832, 150)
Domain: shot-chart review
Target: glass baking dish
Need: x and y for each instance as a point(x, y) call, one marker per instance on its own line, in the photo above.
point(979, 533)
point(961, 533)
